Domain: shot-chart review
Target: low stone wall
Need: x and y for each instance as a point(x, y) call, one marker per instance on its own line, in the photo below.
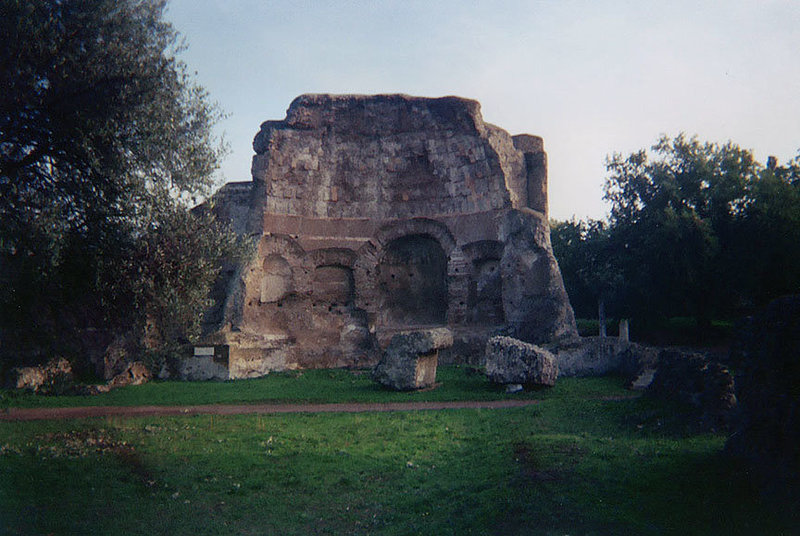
point(201, 368)
point(598, 356)
point(669, 373)
point(56, 378)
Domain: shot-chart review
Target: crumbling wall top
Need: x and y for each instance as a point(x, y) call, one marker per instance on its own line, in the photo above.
point(383, 114)
point(390, 156)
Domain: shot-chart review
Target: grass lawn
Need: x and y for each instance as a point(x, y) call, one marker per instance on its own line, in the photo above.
point(584, 460)
point(311, 386)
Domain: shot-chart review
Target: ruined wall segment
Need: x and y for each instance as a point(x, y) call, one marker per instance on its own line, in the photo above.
point(532, 147)
point(375, 214)
point(385, 157)
point(233, 204)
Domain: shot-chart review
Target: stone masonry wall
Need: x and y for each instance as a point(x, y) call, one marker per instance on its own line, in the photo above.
point(378, 214)
point(346, 157)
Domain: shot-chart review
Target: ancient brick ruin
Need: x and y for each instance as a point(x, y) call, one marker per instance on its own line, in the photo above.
point(377, 214)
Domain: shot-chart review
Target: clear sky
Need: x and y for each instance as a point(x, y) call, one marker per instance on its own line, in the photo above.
point(591, 77)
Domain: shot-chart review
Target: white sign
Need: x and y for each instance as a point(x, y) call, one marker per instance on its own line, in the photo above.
point(203, 351)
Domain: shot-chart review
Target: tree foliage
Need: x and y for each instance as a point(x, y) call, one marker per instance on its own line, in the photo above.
point(587, 264)
point(695, 229)
point(104, 141)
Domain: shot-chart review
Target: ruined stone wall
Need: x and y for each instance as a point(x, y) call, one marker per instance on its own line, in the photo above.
point(386, 157)
point(375, 214)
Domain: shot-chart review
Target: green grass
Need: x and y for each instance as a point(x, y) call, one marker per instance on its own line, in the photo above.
point(585, 460)
point(311, 386)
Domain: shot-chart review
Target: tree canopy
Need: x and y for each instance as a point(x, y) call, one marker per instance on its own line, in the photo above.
point(105, 140)
point(695, 229)
point(97, 115)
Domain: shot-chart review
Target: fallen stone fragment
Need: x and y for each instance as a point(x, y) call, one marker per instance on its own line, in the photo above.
point(53, 377)
point(511, 361)
point(410, 360)
point(692, 378)
point(643, 379)
point(135, 373)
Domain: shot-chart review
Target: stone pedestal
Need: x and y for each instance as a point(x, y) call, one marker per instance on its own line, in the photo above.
point(411, 359)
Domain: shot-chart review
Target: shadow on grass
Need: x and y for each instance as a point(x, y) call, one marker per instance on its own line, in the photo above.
point(574, 464)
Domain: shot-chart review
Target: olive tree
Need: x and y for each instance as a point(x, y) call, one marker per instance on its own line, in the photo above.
point(105, 142)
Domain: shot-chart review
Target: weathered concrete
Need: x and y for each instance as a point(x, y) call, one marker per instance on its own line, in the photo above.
point(511, 361)
point(410, 360)
point(375, 214)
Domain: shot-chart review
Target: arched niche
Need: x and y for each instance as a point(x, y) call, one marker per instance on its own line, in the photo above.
point(412, 281)
point(276, 282)
point(485, 292)
point(333, 284)
point(417, 226)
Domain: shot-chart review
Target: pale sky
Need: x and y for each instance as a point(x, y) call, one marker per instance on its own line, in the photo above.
point(591, 77)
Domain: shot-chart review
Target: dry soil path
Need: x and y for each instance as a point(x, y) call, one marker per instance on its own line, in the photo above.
point(35, 414)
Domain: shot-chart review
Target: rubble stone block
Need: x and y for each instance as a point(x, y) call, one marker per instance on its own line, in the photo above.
point(52, 378)
point(136, 373)
point(510, 361)
point(201, 368)
point(410, 360)
point(692, 378)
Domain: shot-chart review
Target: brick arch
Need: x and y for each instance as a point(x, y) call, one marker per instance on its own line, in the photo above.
point(417, 226)
point(412, 278)
point(331, 275)
point(276, 279)
point(283, 245)
point(331, 256)
point(273, 245)
point(484, 291)
point(368, 256)
point(483, 249)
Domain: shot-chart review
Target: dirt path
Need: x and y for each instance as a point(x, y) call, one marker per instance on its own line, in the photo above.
point(35, 414)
